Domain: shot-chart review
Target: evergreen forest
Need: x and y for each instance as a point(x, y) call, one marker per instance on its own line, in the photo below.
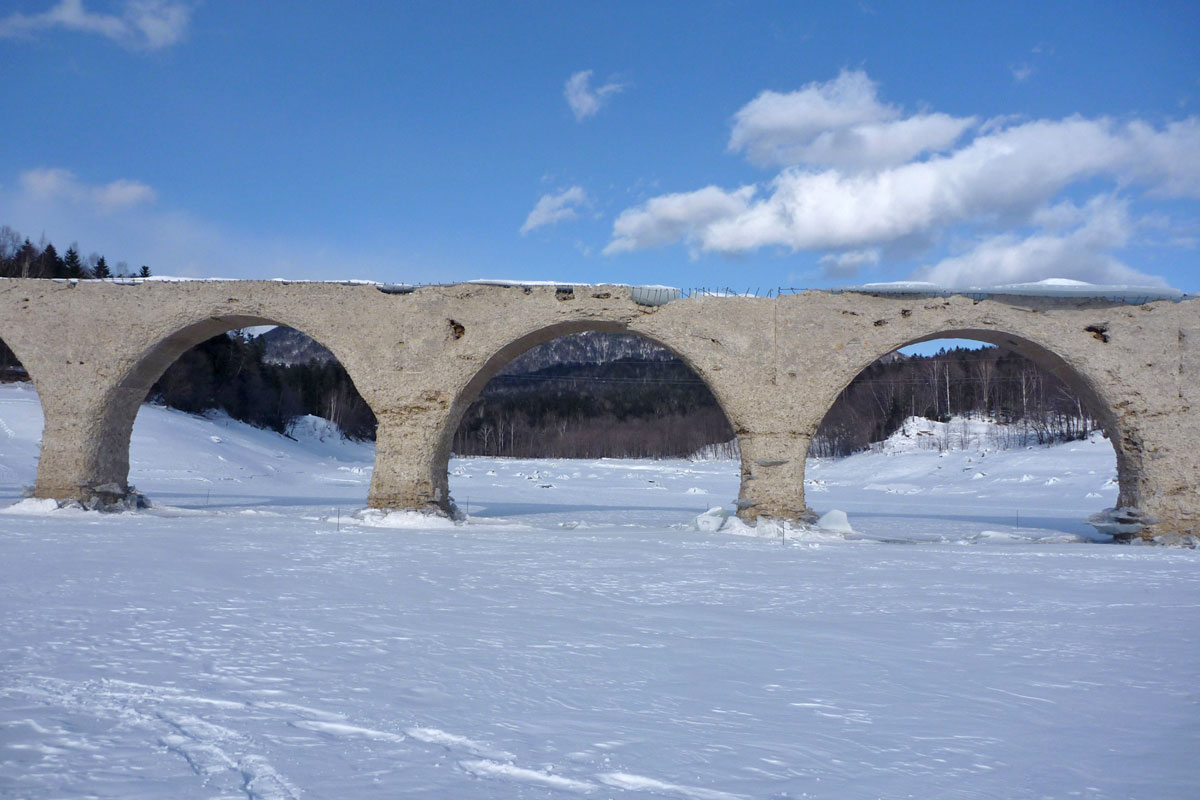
point(21, 258)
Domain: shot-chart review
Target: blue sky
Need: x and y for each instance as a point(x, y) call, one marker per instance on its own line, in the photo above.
point(690, 144)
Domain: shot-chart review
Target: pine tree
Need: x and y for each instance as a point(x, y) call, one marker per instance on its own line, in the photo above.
point(26, 260)
point(102, 270)
point(72, 265)
point(51, 265)
point(145, 272)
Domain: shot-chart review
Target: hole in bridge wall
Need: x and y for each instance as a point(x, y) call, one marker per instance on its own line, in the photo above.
point(21, 423)
point(597, 421)
point(254, 416)
point(954, 439)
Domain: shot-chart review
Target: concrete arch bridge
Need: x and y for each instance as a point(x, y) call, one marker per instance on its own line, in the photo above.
point(420, 356)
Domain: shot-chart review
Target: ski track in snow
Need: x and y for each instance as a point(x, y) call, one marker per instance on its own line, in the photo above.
point(491, 769)
point(622, 780)
point(249, 638)
point(227, 759)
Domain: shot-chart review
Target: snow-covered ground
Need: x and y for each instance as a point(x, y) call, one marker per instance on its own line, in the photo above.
point(249, 637)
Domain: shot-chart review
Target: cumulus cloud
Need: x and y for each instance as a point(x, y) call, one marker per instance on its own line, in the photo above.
point(1082, 253)
point(839, 123)
point(841, 188)
point(671, 217)
point(142, 24)
point(552, 208)
point(53, 184)
point(583, 99)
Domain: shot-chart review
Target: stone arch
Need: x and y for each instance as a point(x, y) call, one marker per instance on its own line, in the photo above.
point(1044, 356)
point(33, 369)
point(503, 355)
point(108, 453)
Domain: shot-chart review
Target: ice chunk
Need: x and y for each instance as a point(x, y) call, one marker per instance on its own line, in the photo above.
point(32, 505)
point(412, 520)
point(835, 520)
point(712, 520)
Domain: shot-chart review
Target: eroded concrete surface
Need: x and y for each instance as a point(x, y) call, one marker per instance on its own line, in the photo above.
point(93, 349)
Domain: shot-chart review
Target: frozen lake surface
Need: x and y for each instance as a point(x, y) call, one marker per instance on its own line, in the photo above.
point(577, 635)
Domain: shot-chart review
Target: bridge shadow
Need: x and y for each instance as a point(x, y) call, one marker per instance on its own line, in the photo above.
point(1061, 524)
point(502, 510)
point(202, 501)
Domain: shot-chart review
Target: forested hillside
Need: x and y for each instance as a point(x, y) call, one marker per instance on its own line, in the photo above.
point(619, 409)
point(990, 383)
point(598, 395)
point(291, 347)
point(231, 373)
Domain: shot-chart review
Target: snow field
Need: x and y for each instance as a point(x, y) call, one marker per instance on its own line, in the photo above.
point(577, 635)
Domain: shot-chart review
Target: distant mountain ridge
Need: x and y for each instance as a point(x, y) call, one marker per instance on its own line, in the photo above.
point(290, 347)
point(588, 349)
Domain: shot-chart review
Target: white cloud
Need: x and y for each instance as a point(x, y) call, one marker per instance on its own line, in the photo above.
point(853, 180)
point(671, 217)
point(142, 24)
point(1081, 254)
point(583, 99)
point(552, 208)
point(838, 123)
point(847, 264)
point(1021, 72)
point(1025, 69)
point(1168, 160)
point(54, 184)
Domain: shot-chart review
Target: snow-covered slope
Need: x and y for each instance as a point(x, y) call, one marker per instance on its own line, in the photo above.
point(578, 635)
point(929, 481)
point(949, 481)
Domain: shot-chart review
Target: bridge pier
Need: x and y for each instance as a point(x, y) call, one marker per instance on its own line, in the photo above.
point(773, 477)
point(83, 458)
point(410, 471)
point(1158, 461)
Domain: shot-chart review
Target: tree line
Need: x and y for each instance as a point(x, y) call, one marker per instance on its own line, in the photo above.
point(627, 408)
point(988, 383)
point(230, 373)
point(619, 409)
point(21, 258)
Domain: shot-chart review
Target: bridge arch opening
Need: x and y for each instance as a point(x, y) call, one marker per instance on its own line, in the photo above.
point(259, 383)
point(21, 422)
point(969, 433)
point(588, 420)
